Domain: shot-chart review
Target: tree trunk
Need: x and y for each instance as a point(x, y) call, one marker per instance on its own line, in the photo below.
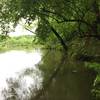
point(56, 34)
point(97, 14)
point(59, 38)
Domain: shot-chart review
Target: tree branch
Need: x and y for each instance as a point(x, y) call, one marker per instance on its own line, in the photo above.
point(88, 58)
point(65, 19)
point(57, 35)
point(29, 30)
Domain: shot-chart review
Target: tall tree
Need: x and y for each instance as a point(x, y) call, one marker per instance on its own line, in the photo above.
point(54, 16)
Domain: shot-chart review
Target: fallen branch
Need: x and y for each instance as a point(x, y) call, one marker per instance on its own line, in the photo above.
point(88, 58)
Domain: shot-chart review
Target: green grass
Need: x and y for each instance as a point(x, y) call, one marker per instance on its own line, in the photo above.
point(21, 42)
point(96, 85)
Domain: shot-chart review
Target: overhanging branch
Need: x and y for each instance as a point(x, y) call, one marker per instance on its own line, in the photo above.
point(29, 30)
point(64, 19)
point(57, 35)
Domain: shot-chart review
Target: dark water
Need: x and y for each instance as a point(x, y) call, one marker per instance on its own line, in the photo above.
point(65, 79)
point(56, 77)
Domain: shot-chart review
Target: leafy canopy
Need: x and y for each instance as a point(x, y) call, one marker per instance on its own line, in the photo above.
point(65, 16)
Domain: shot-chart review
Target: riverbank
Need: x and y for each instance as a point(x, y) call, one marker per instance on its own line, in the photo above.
point(19, 43)
point(77, 47)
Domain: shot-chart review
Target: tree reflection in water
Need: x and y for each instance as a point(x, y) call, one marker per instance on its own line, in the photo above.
point(56, 78)
point(21, 88)
point(65, 79)
point(18, 72)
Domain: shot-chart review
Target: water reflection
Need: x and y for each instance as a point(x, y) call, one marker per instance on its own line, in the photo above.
point(55, 77)
point(65, 79)
point(18, 72)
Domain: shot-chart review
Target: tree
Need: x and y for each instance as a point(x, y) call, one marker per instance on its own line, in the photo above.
point(54, 16)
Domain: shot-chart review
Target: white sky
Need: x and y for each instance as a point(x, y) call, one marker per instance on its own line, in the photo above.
point(20, 30)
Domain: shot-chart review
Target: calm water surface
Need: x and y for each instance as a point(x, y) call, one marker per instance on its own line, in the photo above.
point(43, 75)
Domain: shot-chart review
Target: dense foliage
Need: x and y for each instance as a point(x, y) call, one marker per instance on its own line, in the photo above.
point(59, 22)
point(64, 18)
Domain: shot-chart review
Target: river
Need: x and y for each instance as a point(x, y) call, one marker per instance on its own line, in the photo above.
point(43, 75)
